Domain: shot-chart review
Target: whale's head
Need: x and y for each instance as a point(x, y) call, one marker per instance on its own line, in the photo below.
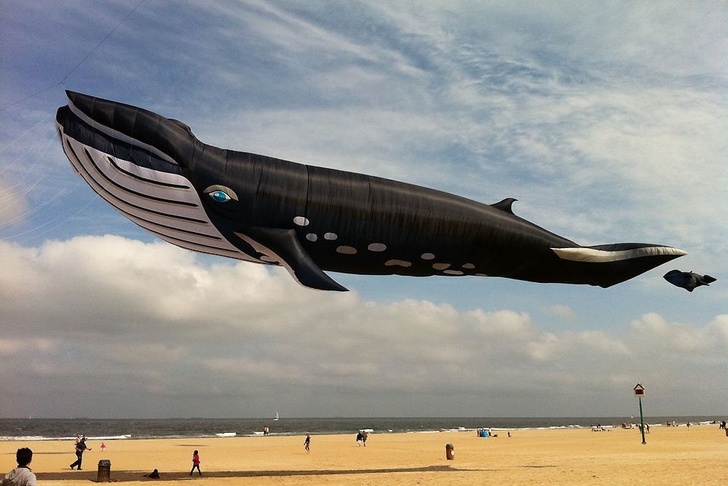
point(140, 163)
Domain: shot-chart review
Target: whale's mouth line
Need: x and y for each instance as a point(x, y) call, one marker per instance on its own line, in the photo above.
point(163, 203)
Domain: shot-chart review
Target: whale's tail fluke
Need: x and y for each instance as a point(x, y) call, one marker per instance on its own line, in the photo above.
point(688, 280)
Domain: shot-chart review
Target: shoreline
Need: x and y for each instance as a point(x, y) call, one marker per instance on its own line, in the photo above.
point(672, 455)
point(35, 429)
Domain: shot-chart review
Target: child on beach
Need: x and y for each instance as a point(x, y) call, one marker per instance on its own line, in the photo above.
point(21, 475)
point(195, 463)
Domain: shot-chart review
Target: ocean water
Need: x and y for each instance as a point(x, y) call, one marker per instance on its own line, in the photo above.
point(121, 429)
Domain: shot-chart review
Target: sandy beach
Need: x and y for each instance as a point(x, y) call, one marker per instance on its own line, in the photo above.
point(677, 456)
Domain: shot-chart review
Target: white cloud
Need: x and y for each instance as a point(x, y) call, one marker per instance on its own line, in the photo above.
point(151, 317)
point(654, 330)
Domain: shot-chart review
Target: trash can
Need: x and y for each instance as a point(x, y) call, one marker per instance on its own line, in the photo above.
point(449, 451)
point(104, 474)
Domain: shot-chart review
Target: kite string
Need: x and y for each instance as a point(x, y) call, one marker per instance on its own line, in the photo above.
point(78, 64)
point(27, 184)
point(2, 149)
point(52, 201)
point(101, 42)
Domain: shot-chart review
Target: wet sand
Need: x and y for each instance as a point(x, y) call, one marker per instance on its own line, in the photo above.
point(677, 456)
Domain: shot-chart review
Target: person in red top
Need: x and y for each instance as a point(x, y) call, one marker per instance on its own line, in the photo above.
point(195, 463)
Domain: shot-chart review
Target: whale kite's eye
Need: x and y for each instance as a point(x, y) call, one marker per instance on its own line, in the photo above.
point(221, 194)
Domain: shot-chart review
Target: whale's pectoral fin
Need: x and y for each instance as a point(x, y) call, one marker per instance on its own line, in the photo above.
point(283, 246)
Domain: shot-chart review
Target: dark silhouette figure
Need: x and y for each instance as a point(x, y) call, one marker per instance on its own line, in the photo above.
point(81, 447)
point(21, 475)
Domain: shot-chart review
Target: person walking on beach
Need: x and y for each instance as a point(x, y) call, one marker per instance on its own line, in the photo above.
point(361, 437)
point(307, 443)
point(195, 463)
point(81, 447)
point(21, 475)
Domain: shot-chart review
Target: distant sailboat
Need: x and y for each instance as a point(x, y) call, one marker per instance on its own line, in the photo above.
point(277, 417)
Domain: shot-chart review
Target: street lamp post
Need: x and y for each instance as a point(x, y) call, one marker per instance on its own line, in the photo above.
point(639, 392)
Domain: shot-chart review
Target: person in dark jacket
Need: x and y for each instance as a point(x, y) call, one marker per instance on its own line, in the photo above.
point(81, 447)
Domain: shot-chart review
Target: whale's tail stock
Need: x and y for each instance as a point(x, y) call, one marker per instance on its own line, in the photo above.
point(607, 265)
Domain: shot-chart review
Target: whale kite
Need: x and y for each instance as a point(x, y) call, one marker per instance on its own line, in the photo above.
point(310, 219)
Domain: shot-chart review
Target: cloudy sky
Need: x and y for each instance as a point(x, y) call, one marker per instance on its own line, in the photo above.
point(607, 121)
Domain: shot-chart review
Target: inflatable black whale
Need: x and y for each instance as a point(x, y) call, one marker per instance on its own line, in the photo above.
point(311, 219)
